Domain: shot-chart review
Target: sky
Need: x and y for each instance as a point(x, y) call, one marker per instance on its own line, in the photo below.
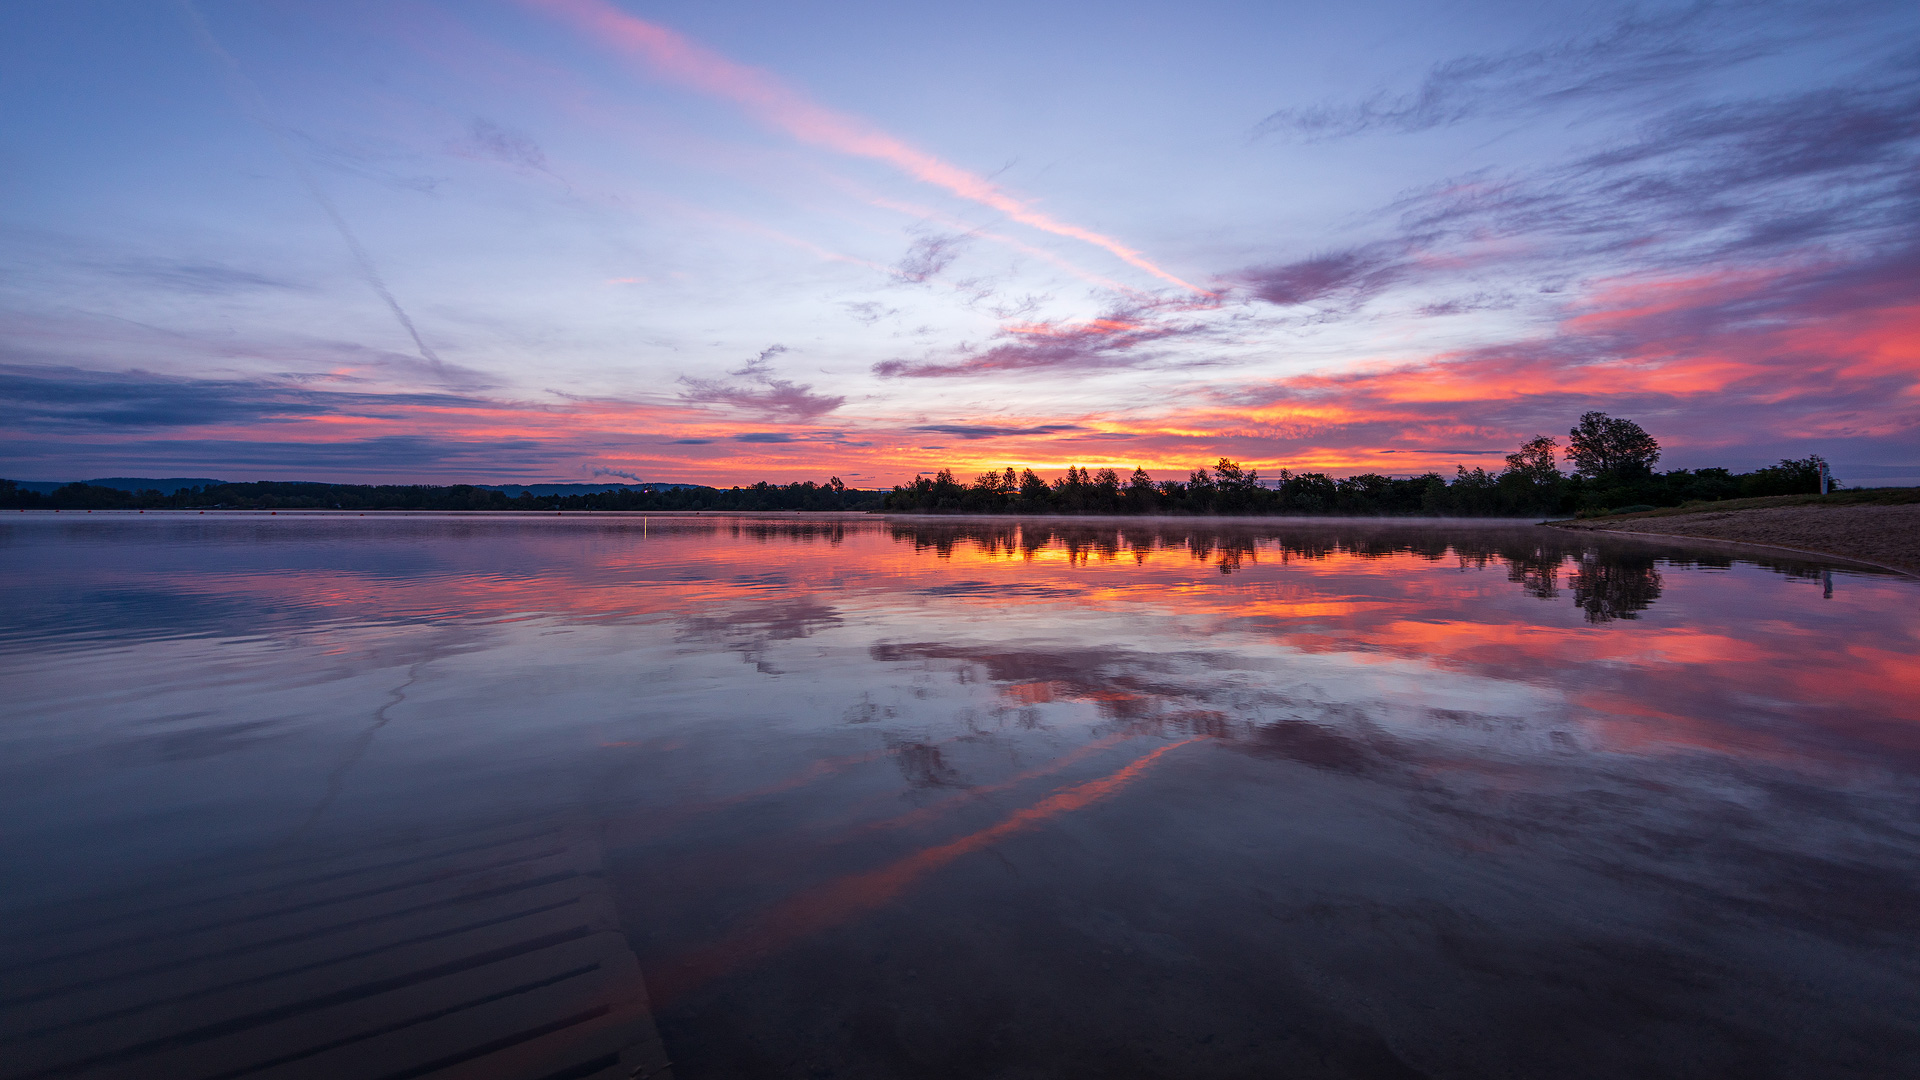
point(580, 240)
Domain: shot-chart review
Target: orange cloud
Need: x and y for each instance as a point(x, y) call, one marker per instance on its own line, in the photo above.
point(1706, 361)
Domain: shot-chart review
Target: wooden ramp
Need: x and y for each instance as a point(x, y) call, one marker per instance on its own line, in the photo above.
point(492, 953)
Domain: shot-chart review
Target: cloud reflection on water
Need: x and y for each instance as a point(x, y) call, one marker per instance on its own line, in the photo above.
point(1516, 759)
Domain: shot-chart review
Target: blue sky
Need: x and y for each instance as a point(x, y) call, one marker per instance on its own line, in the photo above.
point(559, 239)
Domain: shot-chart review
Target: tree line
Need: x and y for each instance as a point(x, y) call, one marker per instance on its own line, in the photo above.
point(1612, 468)
point(289, 495)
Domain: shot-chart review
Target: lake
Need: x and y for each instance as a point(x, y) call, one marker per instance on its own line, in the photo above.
point(307, 795)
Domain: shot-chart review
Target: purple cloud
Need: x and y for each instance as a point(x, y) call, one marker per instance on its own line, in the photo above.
point(928, 257)
point(753, 388)
point(1346, 277)
point(488, 139)
point(54, 398)
point(988, 431)
point(1633, 58)
point(1111, 341)
point(1705, 183)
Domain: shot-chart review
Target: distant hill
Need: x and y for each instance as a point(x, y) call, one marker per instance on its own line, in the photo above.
point(180, 483)
point(307, 495)
point(516, 490)
point(123, 483)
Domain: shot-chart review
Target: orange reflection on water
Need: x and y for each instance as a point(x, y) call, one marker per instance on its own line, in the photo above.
point(927, 814)
point(1029, 693)
point(1518, 605)
point(849, 897)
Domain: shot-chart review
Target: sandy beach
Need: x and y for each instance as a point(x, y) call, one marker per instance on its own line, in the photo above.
point(1885, 535)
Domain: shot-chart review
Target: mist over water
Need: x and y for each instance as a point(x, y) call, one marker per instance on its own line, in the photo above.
point(871, 797)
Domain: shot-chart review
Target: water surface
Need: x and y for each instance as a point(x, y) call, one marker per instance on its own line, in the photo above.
point(870, 797)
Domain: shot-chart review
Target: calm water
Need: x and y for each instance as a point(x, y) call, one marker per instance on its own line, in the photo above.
point(407, 796)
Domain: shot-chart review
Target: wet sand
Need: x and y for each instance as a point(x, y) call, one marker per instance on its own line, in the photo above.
point(1886, 536)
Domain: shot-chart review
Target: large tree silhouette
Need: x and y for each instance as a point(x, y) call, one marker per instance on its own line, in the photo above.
point(1603, 446)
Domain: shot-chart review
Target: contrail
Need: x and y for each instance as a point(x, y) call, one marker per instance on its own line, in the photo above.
point(765, 97)
point(256, 106)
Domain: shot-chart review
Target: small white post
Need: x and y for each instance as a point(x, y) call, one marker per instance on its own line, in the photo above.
point(1826, 479)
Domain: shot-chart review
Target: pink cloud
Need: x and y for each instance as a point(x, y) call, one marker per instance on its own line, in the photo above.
point(763, 96)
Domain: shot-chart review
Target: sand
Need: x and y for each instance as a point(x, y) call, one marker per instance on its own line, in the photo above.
point(1888, 536)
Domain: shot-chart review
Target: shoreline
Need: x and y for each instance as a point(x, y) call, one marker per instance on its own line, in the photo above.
point(1830, 556)
point(1885, 536)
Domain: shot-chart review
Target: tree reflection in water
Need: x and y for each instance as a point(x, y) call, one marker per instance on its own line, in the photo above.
point(1612, 582)
point(1538, 572)
point(1619, 588)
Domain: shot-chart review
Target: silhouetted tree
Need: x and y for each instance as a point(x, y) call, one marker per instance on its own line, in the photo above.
point(1104, 490)
point(1034, 494)
point(1790, 477)
point(1531, 481)
point(1311, 493)
point(1200, 491)
point(1367, 493)
point(1534, 461)
point(1602, 446)
point(1141, 496)
point(1237, 489)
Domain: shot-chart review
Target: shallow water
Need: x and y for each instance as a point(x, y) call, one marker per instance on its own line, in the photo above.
point(983, 798)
